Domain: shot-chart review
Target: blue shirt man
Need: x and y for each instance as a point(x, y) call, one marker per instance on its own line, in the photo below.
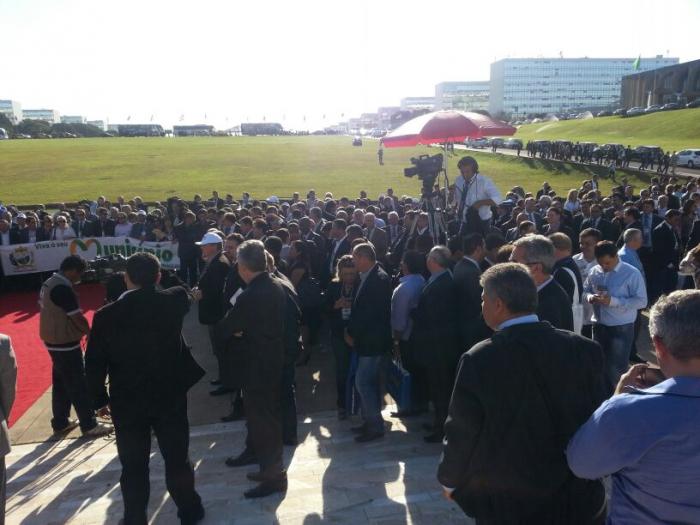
point(648, 441)
point(623, 285)
point(647, 436)
point(403, 301)
point(628, 253)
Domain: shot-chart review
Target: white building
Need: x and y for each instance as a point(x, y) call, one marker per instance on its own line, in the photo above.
point(49, 115)
point(12, 110)
point(418, 102)
point(464, 96)
point(526, 86)
point(98, 124)
point(73, 119)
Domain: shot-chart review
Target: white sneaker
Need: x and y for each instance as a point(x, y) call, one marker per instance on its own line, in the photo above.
point(99, 430)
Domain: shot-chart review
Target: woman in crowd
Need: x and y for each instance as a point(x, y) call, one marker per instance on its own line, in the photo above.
point(309, 294)
point(46, 230)
point(62, 231)
point(687, 219)
point(572, 204)
point(123, 227)
point(338, 305)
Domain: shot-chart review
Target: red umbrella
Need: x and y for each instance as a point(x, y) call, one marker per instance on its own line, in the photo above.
point(445, 126)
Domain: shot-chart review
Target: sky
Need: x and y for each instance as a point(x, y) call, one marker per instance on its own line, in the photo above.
point(305, 63)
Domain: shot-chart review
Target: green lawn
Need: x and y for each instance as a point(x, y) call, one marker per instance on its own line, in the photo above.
point(671, 130)
point(43, 171)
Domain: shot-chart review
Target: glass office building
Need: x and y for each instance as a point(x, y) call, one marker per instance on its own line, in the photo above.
point(528, 86)
point(12, 110)
point(464, 96)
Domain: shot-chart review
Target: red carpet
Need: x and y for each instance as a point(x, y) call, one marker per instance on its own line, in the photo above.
point(19, 318)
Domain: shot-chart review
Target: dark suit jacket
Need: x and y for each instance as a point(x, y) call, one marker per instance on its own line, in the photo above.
point(666, 245)
point(554, 305)
point(370, 317)
point(259, 314)
point(100, 228)
point(518, 399)
point(85, 231)
point(564, 278)
point(186, 237)
point(138, 342)
point(435, 331)
point(466, 281)
point(605, 227)
point(694, 238)
point(212, 283)
point(379, 240)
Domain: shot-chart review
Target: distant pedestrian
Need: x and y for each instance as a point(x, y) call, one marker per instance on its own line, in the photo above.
point(380, 156)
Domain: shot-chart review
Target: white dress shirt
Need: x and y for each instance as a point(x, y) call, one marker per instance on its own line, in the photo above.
point(480, 188)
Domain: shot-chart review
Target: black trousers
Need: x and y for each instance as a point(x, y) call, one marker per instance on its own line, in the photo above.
point(172, 430)
point(419, 378)
point(264, 421)
point(189, 270)
point(341, 352)
point(70, 388)
point(440, 381)
point(3, 489)
point(289, 403)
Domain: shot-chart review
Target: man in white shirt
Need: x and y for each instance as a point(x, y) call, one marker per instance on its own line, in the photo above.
point(476, 192)
point(585, 261)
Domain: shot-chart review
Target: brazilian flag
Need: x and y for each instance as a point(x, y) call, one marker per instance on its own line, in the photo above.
point(637, 61)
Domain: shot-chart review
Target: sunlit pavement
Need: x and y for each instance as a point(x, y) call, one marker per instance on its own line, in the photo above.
point(331, 479)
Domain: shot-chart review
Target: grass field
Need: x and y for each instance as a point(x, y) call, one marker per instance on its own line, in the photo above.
point(44, 171)
point(671, 130)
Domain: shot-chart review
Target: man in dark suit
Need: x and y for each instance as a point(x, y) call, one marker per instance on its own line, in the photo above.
point(435, 334)
point(553, 304)
point(340, 246)
point(103, 226)
point(466, 279)
point(210, 295)
point(598, 222)
point(666, 241)
point(81, 225)
point(394, 229)
point(504, 464)
point(694, 237)
point(187, 234)
point(258, 320)
point(137, 342)
point(376, 236)
point(369, 334)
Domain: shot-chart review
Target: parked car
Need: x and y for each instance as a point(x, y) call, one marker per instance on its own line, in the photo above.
point(670, 106)
point(639, 150)
point(653, 109)
point(497, 141)
point(22, 136)
point(694, 104)
point(607, 148)
point(3, 134)
point(477, 143)
point(513, 144)
point(357, 141)
point(604, 114)
point(620, 112)
point(633, 112)
point(689, 158)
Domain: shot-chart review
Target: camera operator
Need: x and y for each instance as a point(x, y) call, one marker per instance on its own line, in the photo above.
point(474, 195)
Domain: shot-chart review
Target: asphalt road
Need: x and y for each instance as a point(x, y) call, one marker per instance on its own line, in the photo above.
point(680, 171)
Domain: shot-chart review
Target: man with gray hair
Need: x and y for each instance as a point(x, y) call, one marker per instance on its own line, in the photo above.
point(553, 304)
point(518, 398)
point(435, 335)
point(258, 319)
point(633, 240)
point(647, 436)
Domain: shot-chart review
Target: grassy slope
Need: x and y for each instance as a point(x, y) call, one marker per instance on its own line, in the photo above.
point(672, 130)
point(34, 171)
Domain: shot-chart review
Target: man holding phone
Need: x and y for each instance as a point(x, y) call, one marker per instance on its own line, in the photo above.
point(646, 436)
point(616, 290)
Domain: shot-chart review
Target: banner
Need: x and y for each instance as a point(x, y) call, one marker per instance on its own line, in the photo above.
point(46, 256)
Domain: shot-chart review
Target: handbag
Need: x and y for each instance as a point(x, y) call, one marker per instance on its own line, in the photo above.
point(399, 384)
point(577, 306)
point(352, 396)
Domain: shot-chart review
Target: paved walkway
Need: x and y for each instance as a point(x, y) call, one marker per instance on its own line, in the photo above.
point(331, 480)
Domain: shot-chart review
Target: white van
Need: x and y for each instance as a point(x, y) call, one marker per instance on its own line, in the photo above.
point(689, 158)
point(3, 134)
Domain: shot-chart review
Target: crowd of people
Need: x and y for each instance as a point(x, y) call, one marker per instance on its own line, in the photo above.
point(612, 155)
point(516, 321)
